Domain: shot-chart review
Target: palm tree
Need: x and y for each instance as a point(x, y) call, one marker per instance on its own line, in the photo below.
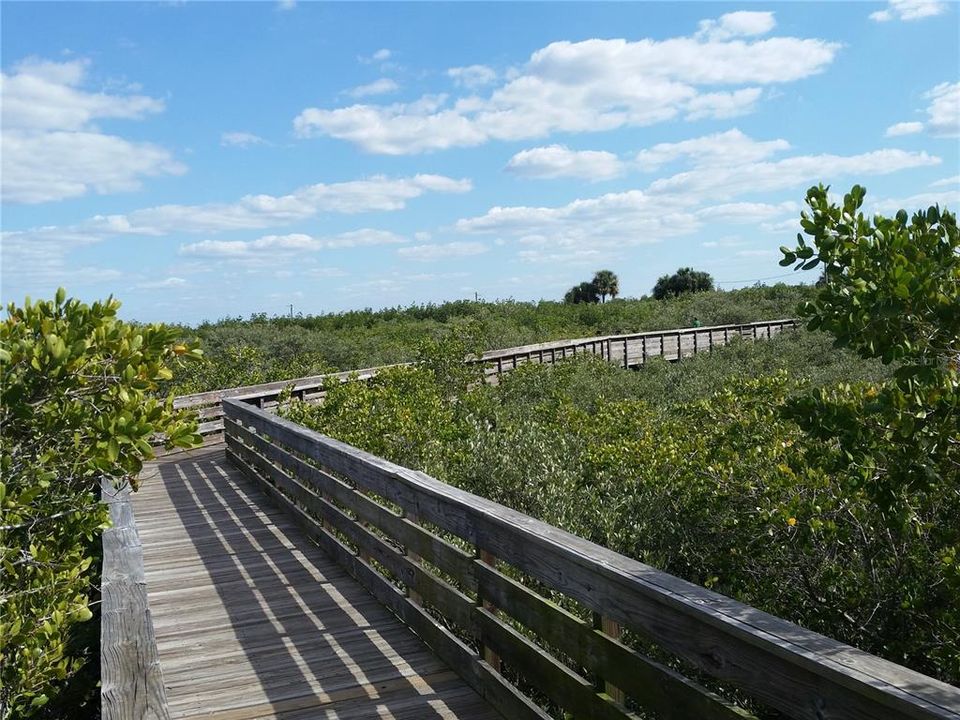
point(606, 283)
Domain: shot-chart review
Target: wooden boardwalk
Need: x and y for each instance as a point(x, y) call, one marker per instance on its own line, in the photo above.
point(253, 620)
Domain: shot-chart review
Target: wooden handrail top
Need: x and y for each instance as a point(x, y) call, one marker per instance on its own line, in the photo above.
point(800, 672)
point(673, 332)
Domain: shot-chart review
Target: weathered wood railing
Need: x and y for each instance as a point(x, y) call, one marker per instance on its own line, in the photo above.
point(630, 350)
point(448, 562)
point(131, 683)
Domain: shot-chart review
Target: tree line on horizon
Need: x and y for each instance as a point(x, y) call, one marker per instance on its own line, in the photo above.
point(605, 284)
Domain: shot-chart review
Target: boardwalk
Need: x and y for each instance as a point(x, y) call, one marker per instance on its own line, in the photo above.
point(254, 621)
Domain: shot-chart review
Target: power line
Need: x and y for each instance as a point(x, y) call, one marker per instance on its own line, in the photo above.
point(772, 277)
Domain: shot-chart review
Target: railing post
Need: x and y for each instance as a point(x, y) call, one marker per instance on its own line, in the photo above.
point(612, 629)
point(679, 347)
point(626, 355)
point(489, 656)
point(696, 342)
point(414, 596)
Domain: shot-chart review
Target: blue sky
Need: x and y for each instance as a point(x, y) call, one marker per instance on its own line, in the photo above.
point(201, 160)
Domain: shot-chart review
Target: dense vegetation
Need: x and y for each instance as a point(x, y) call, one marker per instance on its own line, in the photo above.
point(76, 408)
point(683, 281)
point(261, 349)
point(819, 483)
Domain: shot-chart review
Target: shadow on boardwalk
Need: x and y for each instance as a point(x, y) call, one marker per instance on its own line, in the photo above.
point(254, 621)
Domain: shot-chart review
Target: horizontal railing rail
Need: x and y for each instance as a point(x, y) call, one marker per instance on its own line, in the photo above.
point(131, 683)
point(481, 583)
point(630, 350)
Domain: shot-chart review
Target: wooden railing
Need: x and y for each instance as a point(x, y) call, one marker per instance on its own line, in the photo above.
point(131, 683)
point(480, 582)
point(630, 350)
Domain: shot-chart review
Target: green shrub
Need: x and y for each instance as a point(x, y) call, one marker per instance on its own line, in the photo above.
point(76, 408)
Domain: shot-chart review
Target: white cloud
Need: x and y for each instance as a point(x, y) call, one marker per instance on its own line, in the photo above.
point(53, 165)
point(787, 225)
point(722, 105)
point(953, 182)
point(611, 220)
point(41, 253)
point(169, 282)
point(745, 212)
point(758, 253)
point(570, 257)
point(558, 161)
point(944, 110)
point(381, 55)
point(726, 181)
point(472, 76)
point(949, 199)
point(51, 149)
point(725, 148)
point(429, 253)
point(587, 86)
point(378, 193)
point(728, 241)
point(904, 128)
point(291, 244)
point(46, 95)
point(943, 114)
point(737, 24)
point(678, 205)
point(383, 86)
point(241, 139)
point(909, 10)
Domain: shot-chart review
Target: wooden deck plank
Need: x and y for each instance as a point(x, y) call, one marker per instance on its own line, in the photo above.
point(253, 620)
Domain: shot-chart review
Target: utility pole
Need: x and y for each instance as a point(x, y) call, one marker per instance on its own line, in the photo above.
point(291, 311)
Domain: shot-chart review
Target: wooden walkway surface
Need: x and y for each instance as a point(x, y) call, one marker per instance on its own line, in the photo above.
point(254, 621)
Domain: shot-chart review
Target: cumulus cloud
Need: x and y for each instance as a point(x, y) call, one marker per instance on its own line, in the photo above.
point(909, 10)
point(737, 24)
point(726, 181)
point(627, 218)
point(442, 251)
point(904, 128)
point(588, 86)
point(381, 55)
point(944, 110)
point(746, 212)
point(40, 253)
point(943, 114)
point(169, 282)
point(241, 139)
point(378, 193)
point(952, 182)
point(725, 165)
point(559, 161)
point(51, 149)
point(383, 86)
point(724, 148)
point(291, 244)
point(472, 76)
